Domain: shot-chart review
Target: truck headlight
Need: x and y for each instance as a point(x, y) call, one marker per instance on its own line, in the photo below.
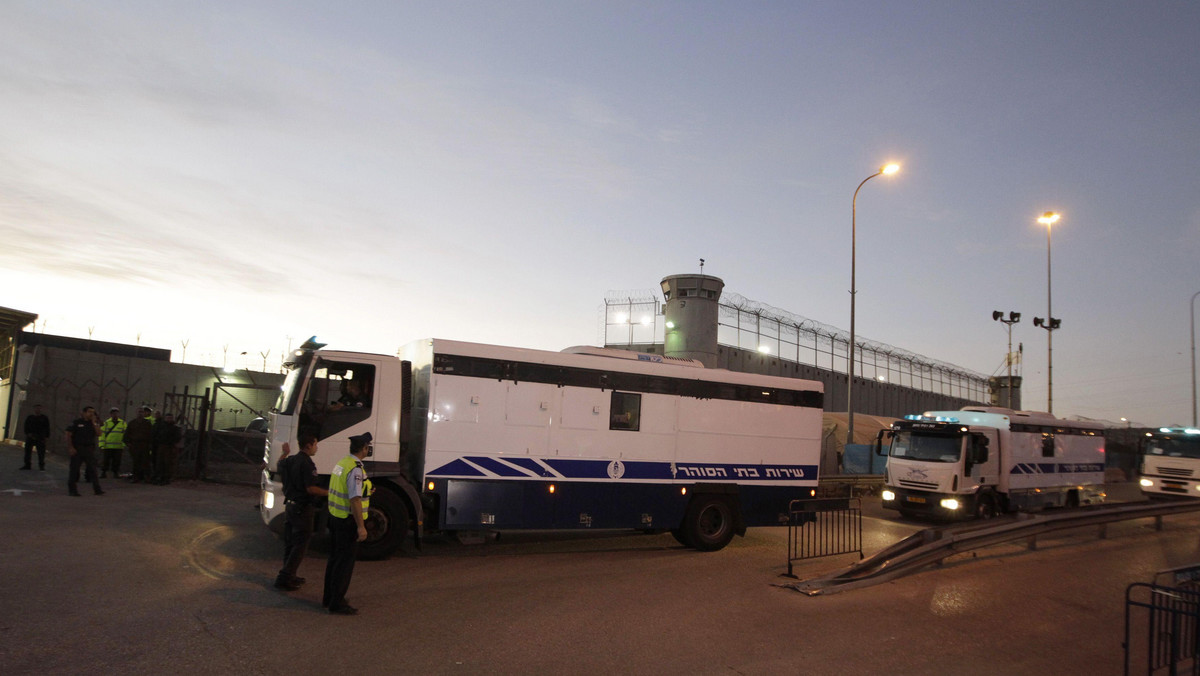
point(950, 504)
point(888, 496)
point(268, 500)
point(1146, 483)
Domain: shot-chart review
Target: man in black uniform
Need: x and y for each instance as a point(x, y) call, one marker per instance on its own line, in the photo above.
point(166, 436)
point(302, 496)
point(81, 443)
point(37, 430)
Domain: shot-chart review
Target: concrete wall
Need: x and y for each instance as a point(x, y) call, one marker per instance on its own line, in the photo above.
point(64, 380)
point(870, 397)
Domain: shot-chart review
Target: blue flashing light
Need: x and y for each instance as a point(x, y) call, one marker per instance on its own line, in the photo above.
point(925, 418)
point(1177, 430)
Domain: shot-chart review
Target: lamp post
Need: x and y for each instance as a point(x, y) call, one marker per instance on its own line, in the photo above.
point(887, 169)
point(1194, 358)
point(1013, 318)
point(1048, 219)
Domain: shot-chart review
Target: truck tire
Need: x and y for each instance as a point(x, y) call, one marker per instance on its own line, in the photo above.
point(709, 523)
point(387, 523)
point(985, 507)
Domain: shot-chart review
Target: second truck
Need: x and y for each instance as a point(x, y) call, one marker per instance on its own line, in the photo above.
point(983, 461)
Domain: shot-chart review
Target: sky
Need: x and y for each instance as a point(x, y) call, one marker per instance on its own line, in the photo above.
point(239, 176)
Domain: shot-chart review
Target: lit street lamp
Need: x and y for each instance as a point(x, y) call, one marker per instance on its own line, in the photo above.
point(1050, 324)
point(887, 169)
point(1013, 318)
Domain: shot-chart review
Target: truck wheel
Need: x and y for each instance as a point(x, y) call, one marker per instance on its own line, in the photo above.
point(985, 507)
point(387, 525)
point(708, 525)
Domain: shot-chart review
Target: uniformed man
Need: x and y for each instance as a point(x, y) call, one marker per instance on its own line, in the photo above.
point(349, 496)
point(139, 437)
point(112, 442)
point(81, 444)
point(302, 496)
point(37, 431)
point(166, 436)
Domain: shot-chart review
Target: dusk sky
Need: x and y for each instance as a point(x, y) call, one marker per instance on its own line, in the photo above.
point(233, 173)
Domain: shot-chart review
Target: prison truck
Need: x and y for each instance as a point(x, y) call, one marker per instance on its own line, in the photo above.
point(983, 461)
point(472, 437)
point(1171, 463)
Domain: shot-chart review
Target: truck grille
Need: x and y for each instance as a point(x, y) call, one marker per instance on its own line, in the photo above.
point(923, 485)
point(1172, 471)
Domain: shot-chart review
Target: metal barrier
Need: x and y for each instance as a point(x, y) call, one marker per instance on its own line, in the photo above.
point(934, 544)
point(1172, 624)
point(821, 527)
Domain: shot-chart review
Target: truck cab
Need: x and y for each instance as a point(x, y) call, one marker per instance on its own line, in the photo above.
point(939, 467)
point(1170, 464)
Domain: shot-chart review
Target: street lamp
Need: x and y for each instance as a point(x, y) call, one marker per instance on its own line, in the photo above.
point(1013, 318)
point(888, 170)
point(1050, 324)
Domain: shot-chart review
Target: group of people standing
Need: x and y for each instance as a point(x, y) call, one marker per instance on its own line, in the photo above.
point(153, 446)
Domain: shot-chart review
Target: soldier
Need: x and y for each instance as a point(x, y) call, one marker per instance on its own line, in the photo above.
point(112, 443)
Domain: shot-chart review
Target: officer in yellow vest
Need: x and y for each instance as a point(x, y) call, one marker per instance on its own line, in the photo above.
point(112, 443)
point(349, 497)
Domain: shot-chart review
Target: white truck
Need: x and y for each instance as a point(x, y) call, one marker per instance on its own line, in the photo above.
point(983, 461)
point(1171, 463)
point(472, 437)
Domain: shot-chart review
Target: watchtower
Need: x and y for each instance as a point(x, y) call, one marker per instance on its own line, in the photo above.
point(691, 315)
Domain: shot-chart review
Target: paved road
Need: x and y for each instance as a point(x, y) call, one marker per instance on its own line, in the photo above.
point(147, 579)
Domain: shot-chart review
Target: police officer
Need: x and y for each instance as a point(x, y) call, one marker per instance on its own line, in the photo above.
point(81, 444)
point(302, 496)
point(349, 496)
point(112, 442)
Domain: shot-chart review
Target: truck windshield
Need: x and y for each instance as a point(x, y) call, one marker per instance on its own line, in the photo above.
point(289, 394)
point(1174, 448)
point(928, 447)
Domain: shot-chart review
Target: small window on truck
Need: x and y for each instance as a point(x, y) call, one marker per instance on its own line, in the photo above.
point(1047, 445)
point(626, 411)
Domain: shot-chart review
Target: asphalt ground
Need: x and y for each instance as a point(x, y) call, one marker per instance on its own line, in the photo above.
point(151, 579)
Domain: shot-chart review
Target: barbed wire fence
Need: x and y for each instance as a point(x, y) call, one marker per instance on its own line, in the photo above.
point(631, 318)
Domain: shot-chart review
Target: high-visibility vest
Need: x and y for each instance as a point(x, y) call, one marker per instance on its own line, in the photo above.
point(339, 489)
point(112, 433)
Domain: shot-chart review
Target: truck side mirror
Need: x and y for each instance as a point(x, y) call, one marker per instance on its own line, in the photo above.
point(878, 445)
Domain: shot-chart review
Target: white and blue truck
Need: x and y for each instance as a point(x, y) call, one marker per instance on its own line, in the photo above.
point(983, 461)
point(1170, 464)
point(474, 437)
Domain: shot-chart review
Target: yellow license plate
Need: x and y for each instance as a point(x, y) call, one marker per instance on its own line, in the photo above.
point(914, 498)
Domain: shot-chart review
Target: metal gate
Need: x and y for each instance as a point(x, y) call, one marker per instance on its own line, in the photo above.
point(824, 527)
point(191, 415)
point(1161, 623)
point(237, 431)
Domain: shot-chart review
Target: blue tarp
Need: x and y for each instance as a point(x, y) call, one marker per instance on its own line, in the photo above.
point(859, 459)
